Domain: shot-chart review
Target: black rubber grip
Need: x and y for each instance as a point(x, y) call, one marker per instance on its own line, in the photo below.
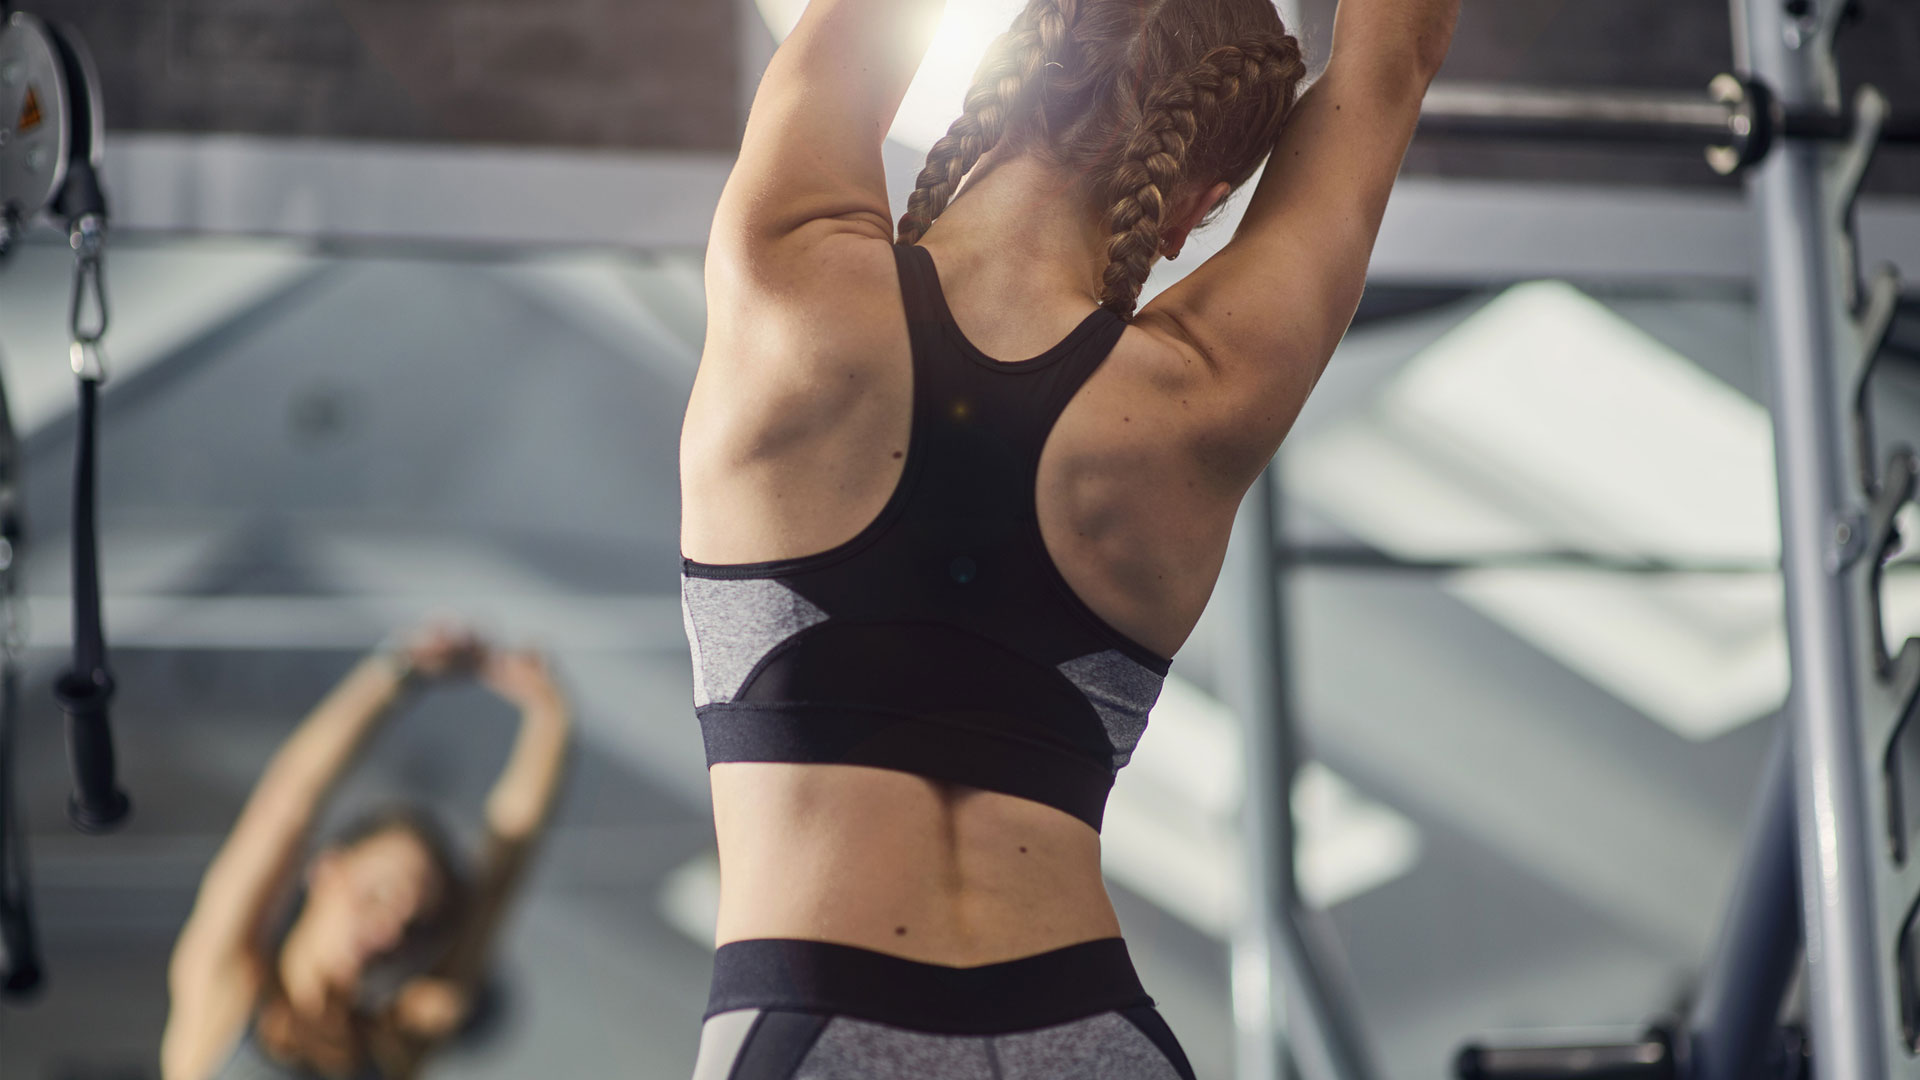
point(98, 804)
point(85, 690)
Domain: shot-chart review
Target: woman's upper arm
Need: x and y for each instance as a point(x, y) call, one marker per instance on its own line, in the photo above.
point(1266, 311)
point(208, 1007)
point(812, 144)
point(251, 871)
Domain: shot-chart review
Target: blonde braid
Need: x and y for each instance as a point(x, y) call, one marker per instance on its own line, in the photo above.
point(1180, 111)
point(1013, 71)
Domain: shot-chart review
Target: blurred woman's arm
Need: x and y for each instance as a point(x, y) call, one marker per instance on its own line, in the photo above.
point(217, 957)
point(517, 811)
point(521, 800)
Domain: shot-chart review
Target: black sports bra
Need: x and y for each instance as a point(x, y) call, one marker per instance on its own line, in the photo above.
point(941, 640)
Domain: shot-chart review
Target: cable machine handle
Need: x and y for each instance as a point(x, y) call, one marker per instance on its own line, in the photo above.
point(85, 690)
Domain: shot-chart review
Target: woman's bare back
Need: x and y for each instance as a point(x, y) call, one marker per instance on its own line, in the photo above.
point(794, 464)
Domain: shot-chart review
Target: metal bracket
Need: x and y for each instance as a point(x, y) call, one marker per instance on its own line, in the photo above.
point(1844, 177)
point(1871, 328)
point(1880, 535)
point(1815, 26)
point(1849, 542)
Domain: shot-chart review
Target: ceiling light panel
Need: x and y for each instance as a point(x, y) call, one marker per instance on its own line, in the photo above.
point(1542, 422)
point(1602, 429)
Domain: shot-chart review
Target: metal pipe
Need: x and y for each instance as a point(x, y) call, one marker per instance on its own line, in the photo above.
point(1747, 976)
point(1250, 684)
point(1801, 304)
point(1289, 1000)
point(1365, 559)
point(1482, 111)
point(1524, 113)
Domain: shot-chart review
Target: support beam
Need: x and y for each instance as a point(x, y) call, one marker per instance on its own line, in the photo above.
point(1290, 998)
point(1802, 304)
point(1758, 951)
point(1545, 114)
point(1251, 683)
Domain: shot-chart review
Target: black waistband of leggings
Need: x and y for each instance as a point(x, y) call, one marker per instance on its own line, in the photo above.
point(1039, 991)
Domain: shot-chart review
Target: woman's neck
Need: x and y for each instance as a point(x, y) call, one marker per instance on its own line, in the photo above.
point(1027, 221)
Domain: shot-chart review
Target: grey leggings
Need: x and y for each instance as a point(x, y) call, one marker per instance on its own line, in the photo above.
point(754, 1044)
point(793, 1010)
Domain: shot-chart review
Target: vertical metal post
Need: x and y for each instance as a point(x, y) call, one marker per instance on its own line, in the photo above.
point(1745, 982)
point(1288, 998)
point(1801, 303)
point(1251, 680)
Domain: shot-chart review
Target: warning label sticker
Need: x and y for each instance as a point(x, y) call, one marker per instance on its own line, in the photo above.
point(30, 115)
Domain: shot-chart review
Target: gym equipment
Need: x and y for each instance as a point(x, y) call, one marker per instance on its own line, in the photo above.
point(1739, 121)
point(51, 132)
point(1847, 764)
point(19, 947)
point(47, 82)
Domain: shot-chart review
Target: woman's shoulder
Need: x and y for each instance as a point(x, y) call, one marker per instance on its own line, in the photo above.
point(801, 258)
point(820, 294)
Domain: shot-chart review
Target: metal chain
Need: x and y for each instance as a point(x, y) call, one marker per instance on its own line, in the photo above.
point(87, 317)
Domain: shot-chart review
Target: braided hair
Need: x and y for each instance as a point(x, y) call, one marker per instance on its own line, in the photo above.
point(1149, 100)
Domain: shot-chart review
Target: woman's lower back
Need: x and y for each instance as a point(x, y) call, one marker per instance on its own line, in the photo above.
point(899, 864)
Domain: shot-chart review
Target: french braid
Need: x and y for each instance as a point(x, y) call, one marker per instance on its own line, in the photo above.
point(1008, 80)
point(1181, 111)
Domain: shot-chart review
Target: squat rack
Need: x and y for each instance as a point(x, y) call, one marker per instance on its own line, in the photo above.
point(1846, 764)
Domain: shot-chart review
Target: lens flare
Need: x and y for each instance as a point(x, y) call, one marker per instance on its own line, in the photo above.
point(939, 89)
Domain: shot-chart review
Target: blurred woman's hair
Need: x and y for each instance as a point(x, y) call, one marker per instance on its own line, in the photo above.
point(376, 1038)
point(1149, 100)
point(433, 837)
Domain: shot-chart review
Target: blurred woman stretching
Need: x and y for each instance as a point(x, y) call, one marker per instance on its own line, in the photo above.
point(392, 934)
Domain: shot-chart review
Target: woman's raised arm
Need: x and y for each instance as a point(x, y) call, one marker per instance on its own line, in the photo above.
point(1266, 311)
point(812, 147)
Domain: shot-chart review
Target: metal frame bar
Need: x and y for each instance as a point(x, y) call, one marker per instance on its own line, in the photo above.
point(1472, 110)
point(1291, 1000)
point(351, 196)
point(1810, 836)
point(1494, 111)
point(1802, 297)
point(1753, 962)
point(1312, 556)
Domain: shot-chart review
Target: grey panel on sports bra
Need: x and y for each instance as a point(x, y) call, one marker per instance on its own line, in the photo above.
point(1122, 691)
point(733, 623)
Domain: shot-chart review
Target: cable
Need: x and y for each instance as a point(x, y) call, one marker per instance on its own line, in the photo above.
point(85, 690)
